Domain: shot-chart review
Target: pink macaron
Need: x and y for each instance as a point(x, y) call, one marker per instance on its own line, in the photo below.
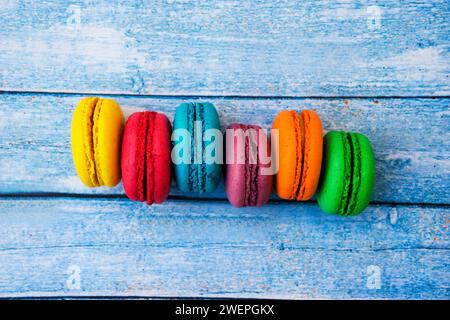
point(248, 178)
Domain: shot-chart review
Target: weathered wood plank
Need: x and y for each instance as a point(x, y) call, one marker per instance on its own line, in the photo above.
point(410, 136)
point(257, 48)
point(201, 249)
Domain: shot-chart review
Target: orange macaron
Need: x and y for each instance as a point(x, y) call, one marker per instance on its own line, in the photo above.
point(298, 153)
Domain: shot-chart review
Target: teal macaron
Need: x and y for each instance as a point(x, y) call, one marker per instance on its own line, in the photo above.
point(194, 125)
point(348, 173)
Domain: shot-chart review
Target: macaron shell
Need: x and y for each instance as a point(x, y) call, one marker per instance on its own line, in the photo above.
point(132, 162)
point(213, 171)
point(331, 185)
point(367, 174)
point(265, 183)
point(235, 173)
point(235, 184)
point(312, 158)
point(265, 180)
point(181, 170)
point(81, 140)
point(108, 129)
point(287, 154)
point(162, 176)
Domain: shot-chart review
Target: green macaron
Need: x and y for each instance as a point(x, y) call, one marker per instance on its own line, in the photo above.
point(348, 173)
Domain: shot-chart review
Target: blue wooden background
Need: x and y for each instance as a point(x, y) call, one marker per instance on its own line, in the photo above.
point(378, 67)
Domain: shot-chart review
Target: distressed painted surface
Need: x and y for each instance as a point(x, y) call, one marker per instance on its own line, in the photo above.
point(413, 157)
point(238, 53)
point(209, 249)
point(252, 48)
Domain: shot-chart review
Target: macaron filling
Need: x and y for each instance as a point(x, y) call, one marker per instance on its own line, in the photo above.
point(346, 143)
point(197, 178)
point(190, 125)
point(199, 118)
point(91, 141)
point(299, 137)
point(352, 169)
point(356, 173)
point(150, 172)
point(303, 137)
point(144, 154)
point(306, 140)
point(251, 169)
point(96, 145)
point(141, 157)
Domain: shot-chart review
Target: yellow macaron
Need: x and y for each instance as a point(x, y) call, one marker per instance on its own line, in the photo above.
point(97, 127)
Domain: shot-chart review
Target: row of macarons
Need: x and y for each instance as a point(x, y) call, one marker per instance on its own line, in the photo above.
point(339, 168)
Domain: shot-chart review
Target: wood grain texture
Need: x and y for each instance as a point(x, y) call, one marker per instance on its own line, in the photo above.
point(251, 59)
point(209, 249)
point(251, 48)
point(410, 138)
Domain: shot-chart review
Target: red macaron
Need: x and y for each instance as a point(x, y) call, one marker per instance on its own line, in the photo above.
point(146, 166)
